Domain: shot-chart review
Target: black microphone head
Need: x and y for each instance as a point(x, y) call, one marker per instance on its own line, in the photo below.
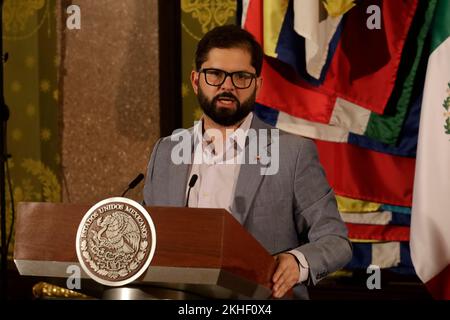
point(193, 180)
point(136, 181)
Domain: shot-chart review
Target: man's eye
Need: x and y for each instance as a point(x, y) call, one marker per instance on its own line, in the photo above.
point(214, 73)
point(243, 75)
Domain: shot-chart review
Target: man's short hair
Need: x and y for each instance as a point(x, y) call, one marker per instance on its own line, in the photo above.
point(227, 37)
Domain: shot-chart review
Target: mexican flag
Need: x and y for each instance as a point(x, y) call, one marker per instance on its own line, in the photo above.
point(430, 219)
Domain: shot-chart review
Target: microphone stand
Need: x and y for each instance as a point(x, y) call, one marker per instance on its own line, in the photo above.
point(4, 116)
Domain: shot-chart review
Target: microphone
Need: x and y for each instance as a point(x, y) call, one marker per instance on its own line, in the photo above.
point(191, 185)
point(134, 183)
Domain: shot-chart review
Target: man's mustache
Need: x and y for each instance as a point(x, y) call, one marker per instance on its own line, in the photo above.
point(225, 95)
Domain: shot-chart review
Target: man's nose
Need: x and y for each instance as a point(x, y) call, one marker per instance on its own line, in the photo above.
point(228, 84)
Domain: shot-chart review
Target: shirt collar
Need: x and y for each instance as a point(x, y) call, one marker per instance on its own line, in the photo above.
point(235, 139)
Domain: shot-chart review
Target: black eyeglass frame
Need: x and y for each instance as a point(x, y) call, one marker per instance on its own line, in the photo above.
point(228, 74)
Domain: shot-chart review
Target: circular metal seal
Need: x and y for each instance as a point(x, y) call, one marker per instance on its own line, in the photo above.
point(116, 241)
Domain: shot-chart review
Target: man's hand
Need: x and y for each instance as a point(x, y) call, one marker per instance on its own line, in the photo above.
point(286, 275)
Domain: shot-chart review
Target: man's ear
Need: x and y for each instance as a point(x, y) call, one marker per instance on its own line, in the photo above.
point(194, 80)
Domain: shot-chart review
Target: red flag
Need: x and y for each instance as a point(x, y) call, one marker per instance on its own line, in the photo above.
point(296, 98)
point(377, 232)
point(365, 64)
point(368, 175)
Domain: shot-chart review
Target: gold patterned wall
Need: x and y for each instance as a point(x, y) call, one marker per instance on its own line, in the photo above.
point(197, 18)
point(31, 92)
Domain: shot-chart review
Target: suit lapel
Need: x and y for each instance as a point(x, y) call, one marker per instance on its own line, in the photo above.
point(250, 177)
point(247, 184)
point(177, 184)
point(178, 180)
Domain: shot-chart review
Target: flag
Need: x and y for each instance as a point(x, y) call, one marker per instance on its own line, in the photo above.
point(356, 172)
point(406, 145)
point(295, 97)
point(364, 67)
point(318, 24)
point(394, 256)
point(349, 122)
point(367, 129)
point(377, 232)
point(377, 218)
point(354, 205)
point(388, 207)
point(303, 34)
point(368, 175)
point(352, 87)
point(430, 217)
point(386, 127)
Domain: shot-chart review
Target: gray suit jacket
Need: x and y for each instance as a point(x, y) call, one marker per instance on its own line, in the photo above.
point(293, 209)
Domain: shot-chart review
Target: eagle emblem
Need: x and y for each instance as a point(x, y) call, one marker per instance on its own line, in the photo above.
point(116, 241)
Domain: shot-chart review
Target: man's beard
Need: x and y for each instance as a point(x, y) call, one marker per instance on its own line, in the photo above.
point(226, 116)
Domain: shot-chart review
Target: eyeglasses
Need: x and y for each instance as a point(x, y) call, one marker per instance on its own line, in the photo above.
point(216, 77)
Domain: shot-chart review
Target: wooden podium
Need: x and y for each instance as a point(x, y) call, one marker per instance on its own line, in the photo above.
point(204, 252)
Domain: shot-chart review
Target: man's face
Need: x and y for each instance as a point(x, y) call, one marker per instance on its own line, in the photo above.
point(226, 105)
